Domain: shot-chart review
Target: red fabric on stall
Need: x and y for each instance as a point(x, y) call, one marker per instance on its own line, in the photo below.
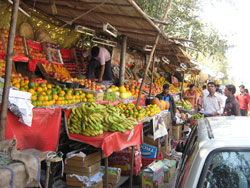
point(20, 58)
point(34, 45)
point(110, 142)
point(141, 102)
point(42, 135)
point(32, 65)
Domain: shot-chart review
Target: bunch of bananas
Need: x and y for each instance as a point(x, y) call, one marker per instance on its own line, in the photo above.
point(160, 81)
point(187, 105)
point(92, 119)
point(115, 121)
point(87, 119)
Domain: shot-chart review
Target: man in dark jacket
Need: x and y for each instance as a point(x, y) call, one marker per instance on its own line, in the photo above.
point(165, 96)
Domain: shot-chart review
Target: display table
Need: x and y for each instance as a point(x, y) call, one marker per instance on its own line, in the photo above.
point(44, 133)
point(110, 142)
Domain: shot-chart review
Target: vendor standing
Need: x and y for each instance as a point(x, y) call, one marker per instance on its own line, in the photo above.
point(165, 96)
point(192, 96)
point(101, 60)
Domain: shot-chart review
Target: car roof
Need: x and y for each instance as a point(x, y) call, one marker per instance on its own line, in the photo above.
point(224, 128)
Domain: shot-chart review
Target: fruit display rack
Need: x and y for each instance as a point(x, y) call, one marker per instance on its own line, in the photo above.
point(70, 62)
point(82, 65)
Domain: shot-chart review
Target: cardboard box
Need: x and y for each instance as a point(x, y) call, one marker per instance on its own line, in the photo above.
point(153, 175)
point(148, 151)
point(171, 164)
point(83, 171)
point(88, 161)
point(113, 178)
point(77, 184)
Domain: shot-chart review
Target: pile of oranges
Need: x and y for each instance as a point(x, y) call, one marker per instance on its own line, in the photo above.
point(44, 94)
point(130, 110)
point(133, 87)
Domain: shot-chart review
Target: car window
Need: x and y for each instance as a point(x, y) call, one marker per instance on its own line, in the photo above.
point(227, 169)
point(187, 158)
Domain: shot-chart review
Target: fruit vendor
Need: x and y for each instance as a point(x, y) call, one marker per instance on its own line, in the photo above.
point(165, 96)
point(192, 96)
point(101, 61)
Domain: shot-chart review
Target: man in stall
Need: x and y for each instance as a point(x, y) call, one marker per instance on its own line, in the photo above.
point(101, 60)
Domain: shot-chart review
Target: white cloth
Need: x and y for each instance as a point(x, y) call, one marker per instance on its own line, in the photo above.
point(213, 104)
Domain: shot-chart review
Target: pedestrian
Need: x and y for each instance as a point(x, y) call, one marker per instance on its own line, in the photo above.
point(232, 106)
point(212, 104)
point(101, 61)
point(165, 96)
point(204, 92)
point(243, 100)
point(248, 109)
point(192, 96)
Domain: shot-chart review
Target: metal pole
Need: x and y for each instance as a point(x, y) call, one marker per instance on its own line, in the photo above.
point(152, 53)
point(122, 59)
point(132, 167)
point(106, 172)
point(9, 57)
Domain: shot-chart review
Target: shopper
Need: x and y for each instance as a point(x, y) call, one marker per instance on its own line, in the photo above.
point(204, 92)
point(212, 104)
point(232, 106)
point(243, 99)
point(192, 96)
point(248, 108)
point(167, 97)
point(100, 59)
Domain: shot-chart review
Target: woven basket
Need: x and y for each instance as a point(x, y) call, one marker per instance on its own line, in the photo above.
point(43, 36)
point(26, 31)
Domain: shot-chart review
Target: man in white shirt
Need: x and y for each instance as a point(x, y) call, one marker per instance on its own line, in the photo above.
point(100, 58)
point(212, 103)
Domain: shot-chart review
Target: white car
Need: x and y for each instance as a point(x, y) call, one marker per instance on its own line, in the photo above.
point(216, 154)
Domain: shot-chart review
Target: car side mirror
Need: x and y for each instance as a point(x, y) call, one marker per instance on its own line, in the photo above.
point(180, 147)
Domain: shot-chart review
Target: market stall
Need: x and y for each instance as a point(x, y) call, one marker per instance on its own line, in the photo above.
point(54, 80)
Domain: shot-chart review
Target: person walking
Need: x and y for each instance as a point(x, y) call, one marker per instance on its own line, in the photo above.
point(212, 104)
point(243, 100)
point(204, 92)
point(232, 106)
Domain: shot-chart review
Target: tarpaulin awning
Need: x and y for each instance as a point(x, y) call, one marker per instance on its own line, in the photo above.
point(110, 142)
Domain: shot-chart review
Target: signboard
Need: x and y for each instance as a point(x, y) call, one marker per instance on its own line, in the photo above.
point(159, 127)
point(54, 55)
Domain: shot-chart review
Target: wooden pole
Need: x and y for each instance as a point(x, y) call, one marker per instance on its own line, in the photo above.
point(9, 57)
point(123, 59)
point(152, 79)
point(151, 54)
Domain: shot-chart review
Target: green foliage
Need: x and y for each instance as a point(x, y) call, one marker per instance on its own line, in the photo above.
point(184, 22)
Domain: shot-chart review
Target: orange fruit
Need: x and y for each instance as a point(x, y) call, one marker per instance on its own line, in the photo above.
point(26, 82)
point(43, 85)
point(41, 98)
point(89, 96)
point(32, 91)
point(58, 102)
point(55, 97)
point(33, 98)
point(39, 89)
point(17, 85)
point(46, 98)
point(49, 86)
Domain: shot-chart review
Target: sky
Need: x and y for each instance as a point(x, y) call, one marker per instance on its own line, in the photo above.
point(232, 20)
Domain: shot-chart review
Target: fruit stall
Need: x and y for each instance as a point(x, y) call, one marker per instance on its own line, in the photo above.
point(106, 116)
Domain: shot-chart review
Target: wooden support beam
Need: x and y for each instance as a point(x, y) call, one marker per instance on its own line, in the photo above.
point(123, 59)
point(9, 58)
point(152, 52)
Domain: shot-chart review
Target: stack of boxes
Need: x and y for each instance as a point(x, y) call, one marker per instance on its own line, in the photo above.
point(114, 175)
point(122, 159)
point(81, 170)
